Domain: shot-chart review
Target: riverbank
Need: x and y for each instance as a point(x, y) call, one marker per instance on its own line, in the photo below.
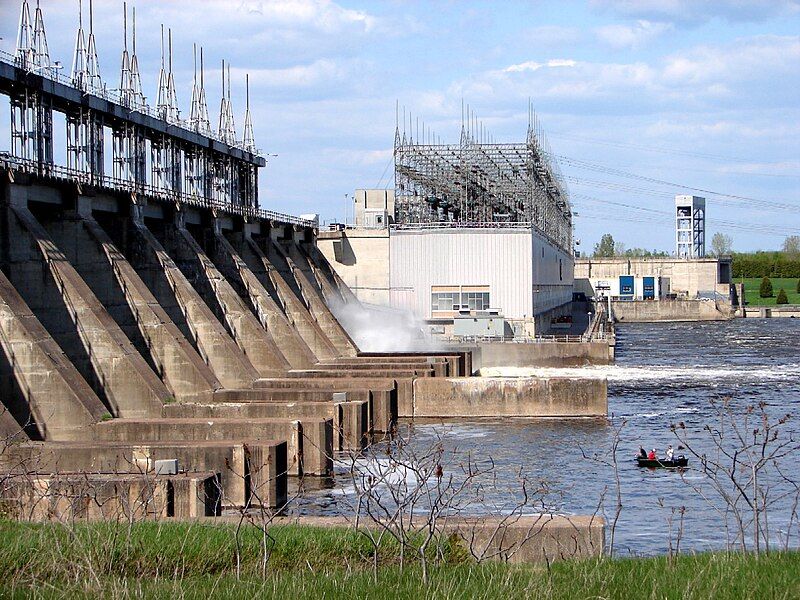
point(200, 560)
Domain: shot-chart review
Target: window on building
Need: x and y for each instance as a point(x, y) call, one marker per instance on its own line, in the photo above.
point(449, 299)
point(475, 300)
point(445, 301)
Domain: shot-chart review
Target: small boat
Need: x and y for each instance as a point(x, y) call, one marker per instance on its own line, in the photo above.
point(676, 463)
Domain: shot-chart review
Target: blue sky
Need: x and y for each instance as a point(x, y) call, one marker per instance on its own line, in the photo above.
point(704, 94)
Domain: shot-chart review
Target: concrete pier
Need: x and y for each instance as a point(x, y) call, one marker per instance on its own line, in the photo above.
point(310, 441)
point(300, 269)
point(272, 318)
point(296, 312)
point(43, 390)
point(252, 338)
point(246, 469)
point(77, 320)
point(510, 397)
point(187, 309)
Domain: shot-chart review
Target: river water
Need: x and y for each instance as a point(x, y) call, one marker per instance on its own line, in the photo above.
point(664, 374)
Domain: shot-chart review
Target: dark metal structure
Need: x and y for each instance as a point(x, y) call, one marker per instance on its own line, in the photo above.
point(479, 181)
point(188, 162)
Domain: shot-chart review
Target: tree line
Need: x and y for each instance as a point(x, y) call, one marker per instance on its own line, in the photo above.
point(765, 264)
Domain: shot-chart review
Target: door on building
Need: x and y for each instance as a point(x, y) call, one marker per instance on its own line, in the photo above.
point(649, 288)
point(626, 286)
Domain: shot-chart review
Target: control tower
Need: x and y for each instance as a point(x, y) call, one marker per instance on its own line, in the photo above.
point(690, 226)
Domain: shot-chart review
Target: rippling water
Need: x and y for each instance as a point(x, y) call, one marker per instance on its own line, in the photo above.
point(664, 373)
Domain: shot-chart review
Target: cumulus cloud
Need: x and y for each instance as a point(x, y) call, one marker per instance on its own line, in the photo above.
point(631, 36)
point(760, 67)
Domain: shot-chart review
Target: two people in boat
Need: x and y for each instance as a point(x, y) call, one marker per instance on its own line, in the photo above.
point(652, 454)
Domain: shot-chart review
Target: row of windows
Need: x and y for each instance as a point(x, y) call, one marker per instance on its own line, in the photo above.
point(451, 301)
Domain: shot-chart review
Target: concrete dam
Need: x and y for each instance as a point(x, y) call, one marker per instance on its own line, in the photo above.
point(162, 336)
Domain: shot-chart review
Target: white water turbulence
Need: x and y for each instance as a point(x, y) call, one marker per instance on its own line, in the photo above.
point(382, 329)
point(627, 374)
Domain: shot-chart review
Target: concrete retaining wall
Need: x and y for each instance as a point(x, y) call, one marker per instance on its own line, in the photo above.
point(555, 354)
point(528, 539)
point(670, 310)
point(506, 397)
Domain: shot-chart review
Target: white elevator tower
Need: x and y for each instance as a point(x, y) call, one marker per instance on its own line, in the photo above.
point(690, 226)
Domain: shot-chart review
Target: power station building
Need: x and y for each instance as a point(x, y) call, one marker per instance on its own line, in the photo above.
point(476, 237)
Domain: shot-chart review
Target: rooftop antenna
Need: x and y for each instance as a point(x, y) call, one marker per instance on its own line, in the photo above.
point(80, 72)
point(226, 129)
point(194, 108)
point(162, 97)
point(396, 123)
point(136, 80)
point(125, 69)
point(248, 138)
point(172, 96)
point(25, 49)
point(205, 121)
point(41, 54)
point(92, 62)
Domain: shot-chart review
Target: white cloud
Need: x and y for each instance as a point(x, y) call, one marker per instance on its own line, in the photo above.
point(535, 66)
point(631, 36)
point(699, 11)
point(762, 69)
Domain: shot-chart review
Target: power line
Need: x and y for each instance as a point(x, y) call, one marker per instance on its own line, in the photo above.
point(605, 169)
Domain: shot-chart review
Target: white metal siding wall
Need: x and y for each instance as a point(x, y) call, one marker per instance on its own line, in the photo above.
point(499, 258)
point(552, 284)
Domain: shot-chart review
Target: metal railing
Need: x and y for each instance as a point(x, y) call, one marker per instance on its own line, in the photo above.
point(539, 339)
point(464, 225)
point(115, 184)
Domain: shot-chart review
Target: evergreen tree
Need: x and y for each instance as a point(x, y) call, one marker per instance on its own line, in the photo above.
point(766, 288)
point(606, 247)
point(782, 299)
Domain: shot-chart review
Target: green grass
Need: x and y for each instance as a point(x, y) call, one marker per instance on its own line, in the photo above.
point(752, 285)
point(198, 561)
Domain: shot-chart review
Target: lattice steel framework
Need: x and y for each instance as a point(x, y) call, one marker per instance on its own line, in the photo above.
point(480, 181)
point(186, 157)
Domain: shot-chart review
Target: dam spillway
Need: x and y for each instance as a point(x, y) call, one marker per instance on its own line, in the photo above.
point(157, 315)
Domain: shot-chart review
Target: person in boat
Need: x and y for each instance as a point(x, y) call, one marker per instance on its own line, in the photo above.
point(670, 452)
point(642, 452)
point(652, 455)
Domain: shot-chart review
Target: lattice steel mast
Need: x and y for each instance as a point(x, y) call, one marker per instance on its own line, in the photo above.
point(480, 181)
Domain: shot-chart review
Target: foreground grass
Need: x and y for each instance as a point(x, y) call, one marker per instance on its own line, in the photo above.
point(753, 285)
point(199, 561)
